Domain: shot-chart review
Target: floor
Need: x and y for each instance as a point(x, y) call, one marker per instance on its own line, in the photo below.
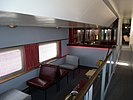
point(121, 86)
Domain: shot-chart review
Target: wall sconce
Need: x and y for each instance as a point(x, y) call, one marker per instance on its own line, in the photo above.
point(12, 26)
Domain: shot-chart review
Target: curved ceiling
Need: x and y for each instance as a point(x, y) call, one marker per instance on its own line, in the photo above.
point(55, 12)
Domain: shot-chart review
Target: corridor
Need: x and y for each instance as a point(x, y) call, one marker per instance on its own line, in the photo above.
point(121, 86)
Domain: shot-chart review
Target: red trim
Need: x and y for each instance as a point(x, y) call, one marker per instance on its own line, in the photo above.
point(106, 49)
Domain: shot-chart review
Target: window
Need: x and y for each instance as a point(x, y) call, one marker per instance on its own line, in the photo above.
point(10, 61)
point(48, 51)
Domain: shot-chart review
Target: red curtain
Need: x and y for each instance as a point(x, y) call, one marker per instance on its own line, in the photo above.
point(31, 56)
point(59, 54)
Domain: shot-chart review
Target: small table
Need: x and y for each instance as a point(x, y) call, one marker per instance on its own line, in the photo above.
point(90, 73)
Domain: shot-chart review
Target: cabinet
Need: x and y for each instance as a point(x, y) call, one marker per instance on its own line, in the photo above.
point(82, 36)
point(108, 36)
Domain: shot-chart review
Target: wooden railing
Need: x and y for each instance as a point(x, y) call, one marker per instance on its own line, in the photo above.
point(85, 92)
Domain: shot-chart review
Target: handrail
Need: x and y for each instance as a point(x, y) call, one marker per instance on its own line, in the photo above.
point(91, 80)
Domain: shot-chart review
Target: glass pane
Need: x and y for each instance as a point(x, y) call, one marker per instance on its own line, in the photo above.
point(10, 61)
point(47, 51)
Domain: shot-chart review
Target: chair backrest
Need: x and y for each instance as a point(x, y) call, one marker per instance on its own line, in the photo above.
point(48, 72)
point(73, 60)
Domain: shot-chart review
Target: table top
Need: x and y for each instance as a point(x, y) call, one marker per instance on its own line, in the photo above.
point(90, 73)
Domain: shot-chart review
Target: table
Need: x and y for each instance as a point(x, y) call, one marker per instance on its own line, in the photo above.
point(90, 73)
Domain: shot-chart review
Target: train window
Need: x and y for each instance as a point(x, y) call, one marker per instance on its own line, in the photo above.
point(11, 61)
point(48, 51)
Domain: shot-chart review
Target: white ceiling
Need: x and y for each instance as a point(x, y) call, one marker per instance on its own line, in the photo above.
point(123, 8)
point(26, 12)
point(10, 19)
point(84, 11)
point(64, 13)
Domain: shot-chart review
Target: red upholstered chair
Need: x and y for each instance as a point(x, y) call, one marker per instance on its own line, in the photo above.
point(47, 77)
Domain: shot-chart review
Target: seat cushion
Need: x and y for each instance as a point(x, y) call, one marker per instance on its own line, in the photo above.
point(39, 83)
point(68, 66)
point(14, 94)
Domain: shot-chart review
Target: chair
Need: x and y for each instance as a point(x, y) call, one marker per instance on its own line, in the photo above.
point(61, 73)
point(71, 63)
point(47, 77)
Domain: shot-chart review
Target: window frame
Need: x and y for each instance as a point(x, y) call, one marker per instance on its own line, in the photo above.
point(16, 73)
point(58, 48)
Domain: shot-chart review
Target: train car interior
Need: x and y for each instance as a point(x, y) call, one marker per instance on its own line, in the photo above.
point(66, 49)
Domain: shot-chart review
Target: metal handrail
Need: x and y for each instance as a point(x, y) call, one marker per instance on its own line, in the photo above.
point(91, 80)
